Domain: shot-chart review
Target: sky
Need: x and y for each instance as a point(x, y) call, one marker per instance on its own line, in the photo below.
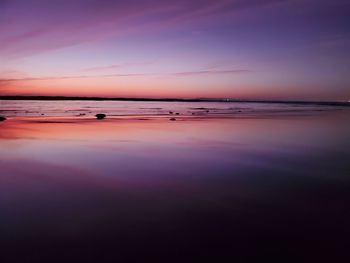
point(244, 49)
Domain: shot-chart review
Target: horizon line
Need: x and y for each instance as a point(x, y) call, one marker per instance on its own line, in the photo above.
point(96, 98)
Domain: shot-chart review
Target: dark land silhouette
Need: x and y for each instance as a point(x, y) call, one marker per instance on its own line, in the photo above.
point(59, 98)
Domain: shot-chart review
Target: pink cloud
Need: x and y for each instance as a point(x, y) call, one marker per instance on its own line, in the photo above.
point(36, 26)
point(117, 66)
point(183, 73)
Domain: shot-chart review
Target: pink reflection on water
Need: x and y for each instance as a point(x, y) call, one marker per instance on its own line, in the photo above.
point(229, 180)
point(156, 146)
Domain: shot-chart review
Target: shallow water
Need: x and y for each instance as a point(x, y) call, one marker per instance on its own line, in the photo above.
point(138, 108)
point(246, 187)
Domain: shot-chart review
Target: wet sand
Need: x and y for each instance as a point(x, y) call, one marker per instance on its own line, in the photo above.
point(241, 186)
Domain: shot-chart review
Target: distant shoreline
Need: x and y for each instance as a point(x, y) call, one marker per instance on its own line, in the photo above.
point(69, 98)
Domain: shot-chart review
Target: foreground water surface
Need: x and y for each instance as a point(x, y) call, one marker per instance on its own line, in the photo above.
point(247, 182)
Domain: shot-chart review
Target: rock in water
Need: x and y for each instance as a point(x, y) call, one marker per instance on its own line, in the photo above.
point(173, 119)
point(100, 116)
point(2, 118)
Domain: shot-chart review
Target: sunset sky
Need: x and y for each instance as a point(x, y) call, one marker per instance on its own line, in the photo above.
point(257, 49)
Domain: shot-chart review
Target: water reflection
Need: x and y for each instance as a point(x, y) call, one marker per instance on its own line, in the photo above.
point(153, 185)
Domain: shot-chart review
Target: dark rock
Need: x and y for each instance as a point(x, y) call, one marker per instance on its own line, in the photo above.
point(177, 113)
point(170, 112)
point(207, 110)
point(173, 119)
point(100, 116)
point(2, 118)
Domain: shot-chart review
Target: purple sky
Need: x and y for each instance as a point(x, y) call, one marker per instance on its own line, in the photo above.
point(291, 49)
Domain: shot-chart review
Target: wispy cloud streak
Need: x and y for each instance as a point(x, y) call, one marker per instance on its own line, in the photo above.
point(117, 66)
point(211, 72)
point(30, 27)
point(184, 74)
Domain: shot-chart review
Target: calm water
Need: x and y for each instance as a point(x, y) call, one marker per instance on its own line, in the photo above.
point(269, 181)
point(134, 108)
